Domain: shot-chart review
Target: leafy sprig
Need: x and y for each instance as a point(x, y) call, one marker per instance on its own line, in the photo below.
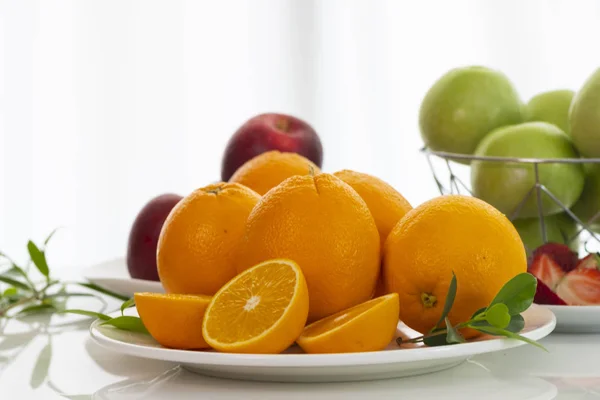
point(501, 318)
point(24, 295)
point(123, 322)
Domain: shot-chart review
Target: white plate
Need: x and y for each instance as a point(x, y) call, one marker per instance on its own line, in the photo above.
point(113, 275)
point(577, 319)
point(293, 366)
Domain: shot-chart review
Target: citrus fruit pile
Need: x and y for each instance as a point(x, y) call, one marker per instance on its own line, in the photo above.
point(477, 111)
point(284, 253)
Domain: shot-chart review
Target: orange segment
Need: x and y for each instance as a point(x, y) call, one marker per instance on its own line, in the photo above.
point(369, 326)
point(262, 310)
point(173, 320)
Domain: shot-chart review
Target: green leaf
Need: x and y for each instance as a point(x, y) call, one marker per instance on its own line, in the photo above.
point(498, 316)
point(38, 257)
point(436, 338)
point(480, 311)
point(449, 300)
point(452, 335)
point(3, 255)
point(92, 314)
point(127, 323)
point(36, 309)
point(477, 324)
point(127, 304)
point(18, 271)
point(62, 294)
point(517, 294)
point(14, 282)
point(103, 291)
point(517, 323)
point(11, 291)
point(14, 298)
point(492, 330)
point(50, 236)
point(10, 271)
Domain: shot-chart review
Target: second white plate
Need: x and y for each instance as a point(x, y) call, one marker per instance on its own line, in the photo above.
point(113, 275)
point(576, 319)
point(293, 366)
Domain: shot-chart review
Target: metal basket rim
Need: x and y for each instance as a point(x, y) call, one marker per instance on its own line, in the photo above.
point(457, 156)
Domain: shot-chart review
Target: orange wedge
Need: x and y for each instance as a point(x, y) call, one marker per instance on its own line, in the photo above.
point(262, 310)
point(369, 326)
point(173, 320)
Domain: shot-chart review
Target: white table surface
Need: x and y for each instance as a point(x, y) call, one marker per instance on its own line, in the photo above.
point(54, 358)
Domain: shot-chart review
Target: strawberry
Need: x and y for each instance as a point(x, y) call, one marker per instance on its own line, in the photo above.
point(543, 295)
point(546, 270)
point(590, 261)
point(580, 287)
point(560, 253)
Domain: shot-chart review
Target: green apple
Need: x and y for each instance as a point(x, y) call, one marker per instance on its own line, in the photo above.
point(466, 104)
point(559, 229)
point(551, 107)
point(584, 117)
point(505, 185)
point(589, 203)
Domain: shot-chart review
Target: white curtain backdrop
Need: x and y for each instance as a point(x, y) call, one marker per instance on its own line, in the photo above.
point(105, 104)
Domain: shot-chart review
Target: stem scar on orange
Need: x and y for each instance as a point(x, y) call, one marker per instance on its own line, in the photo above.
point(448, 234)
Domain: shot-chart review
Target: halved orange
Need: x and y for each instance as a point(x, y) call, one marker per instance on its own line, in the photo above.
point(369, 326)
point(173, 320)
point(262, 310)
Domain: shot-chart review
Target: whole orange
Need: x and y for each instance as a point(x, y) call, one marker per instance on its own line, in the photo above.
point(387, 206)
point(323, 225)
point(199, 240)
point(267, 170)
point(448, 234)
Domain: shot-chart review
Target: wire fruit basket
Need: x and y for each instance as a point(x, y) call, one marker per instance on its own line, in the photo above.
point(450, 182)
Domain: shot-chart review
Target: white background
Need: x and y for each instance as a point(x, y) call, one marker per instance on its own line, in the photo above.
point(105, 104)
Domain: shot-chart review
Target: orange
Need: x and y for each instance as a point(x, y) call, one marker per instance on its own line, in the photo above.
point(198, 241)
point(369, 326)
point(269, 169)
point(173, 320)
point(450, 233)
point(385, 203)
point(262, 310)
point(321, 223)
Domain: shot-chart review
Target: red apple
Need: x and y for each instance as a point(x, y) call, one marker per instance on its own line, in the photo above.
point(270, 132)
point(143, 237)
